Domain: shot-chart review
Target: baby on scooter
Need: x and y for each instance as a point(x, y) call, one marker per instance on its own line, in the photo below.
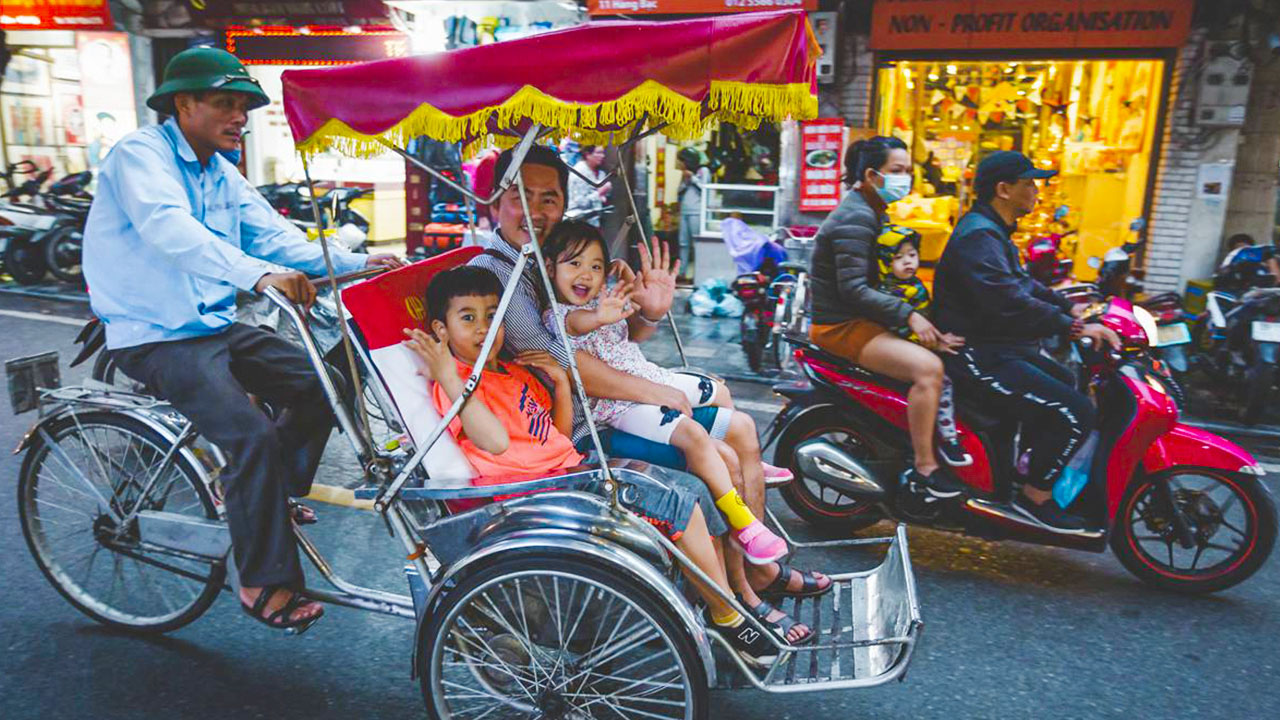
point(898, 252)
point(595, 318)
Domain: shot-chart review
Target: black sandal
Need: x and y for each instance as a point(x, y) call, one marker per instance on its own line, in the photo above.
point(302, 514)
point(280, 619)
point(809, 586)
point(782, 626)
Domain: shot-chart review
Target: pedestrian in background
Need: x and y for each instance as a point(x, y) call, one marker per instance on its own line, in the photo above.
point(586, 201)
point(693, 177)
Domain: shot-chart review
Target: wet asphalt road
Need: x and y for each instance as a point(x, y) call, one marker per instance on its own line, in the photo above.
point(1012, 630)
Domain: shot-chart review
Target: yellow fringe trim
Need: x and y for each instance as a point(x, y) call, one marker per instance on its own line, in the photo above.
point(744, 104)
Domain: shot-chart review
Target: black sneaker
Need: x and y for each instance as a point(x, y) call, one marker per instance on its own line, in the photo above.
point(1049, 515)
point(953, 453)
point(751, 644)
point(937, 486)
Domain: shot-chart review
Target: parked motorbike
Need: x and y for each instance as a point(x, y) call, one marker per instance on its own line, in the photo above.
point(1181, 508)
point(22, 221)
point(63, 244)
point(1238, 336)
point(774, 297)
point(293, 202)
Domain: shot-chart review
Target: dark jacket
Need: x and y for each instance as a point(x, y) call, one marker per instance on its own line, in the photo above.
point(843, 274)
point(982, 292)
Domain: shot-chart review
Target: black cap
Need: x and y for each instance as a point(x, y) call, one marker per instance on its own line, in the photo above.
point(1007, 166)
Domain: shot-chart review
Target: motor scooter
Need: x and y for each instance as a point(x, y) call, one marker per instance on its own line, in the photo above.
point(1182, 509)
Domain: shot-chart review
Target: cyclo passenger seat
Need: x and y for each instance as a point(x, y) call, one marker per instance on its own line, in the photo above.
point(380, 309)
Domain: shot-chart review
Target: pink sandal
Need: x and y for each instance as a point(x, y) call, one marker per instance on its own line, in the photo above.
point(777, 475)
point(759, 545)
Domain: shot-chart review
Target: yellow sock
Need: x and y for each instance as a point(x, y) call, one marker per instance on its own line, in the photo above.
point(730, 620)
point(735, 510)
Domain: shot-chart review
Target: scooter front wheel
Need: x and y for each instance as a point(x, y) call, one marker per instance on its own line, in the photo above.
point(1194, 530)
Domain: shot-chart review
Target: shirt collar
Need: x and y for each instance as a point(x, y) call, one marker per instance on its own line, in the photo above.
point(185, 152)
point(500, 244)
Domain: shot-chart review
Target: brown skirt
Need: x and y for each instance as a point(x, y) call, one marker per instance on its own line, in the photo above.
point(846, 339)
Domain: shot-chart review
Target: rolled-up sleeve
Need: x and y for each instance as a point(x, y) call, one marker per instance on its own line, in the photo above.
point(157, 205)
point(267, 235)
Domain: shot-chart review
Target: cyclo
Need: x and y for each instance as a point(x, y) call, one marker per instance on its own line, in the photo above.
point(557, 602)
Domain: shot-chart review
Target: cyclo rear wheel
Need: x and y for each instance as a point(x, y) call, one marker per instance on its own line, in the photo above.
point(103, 570)
point(553, 635)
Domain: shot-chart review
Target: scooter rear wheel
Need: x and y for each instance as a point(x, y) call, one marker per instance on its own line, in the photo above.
point(822, 507)
point(1230, 520)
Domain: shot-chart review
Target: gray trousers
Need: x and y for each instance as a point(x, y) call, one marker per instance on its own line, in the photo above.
point(208, 379)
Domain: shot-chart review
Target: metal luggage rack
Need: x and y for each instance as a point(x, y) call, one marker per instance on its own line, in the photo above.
point(868, 626)
point(99, 395)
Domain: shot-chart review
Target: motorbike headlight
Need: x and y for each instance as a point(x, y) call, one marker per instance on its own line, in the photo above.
point(1146, 321)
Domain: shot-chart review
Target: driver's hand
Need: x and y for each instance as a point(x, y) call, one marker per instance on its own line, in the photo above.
point(1101, 334)
point(293, 285)
point(385, 260)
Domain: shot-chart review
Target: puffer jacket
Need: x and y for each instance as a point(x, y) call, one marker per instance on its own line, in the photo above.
point(843, 274)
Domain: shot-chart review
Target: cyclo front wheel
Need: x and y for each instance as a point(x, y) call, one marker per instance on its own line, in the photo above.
point(104, 570)
point(553, 635)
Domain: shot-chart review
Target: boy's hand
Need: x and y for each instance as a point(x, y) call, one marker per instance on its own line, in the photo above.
point(616, 304)
point(435, 353)
point(546, 362)
point(950, 343)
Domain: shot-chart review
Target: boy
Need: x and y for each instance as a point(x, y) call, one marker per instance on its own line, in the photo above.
point(898, 250)
point(513, 426)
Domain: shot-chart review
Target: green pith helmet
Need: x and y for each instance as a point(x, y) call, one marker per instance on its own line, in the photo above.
point(205, 68)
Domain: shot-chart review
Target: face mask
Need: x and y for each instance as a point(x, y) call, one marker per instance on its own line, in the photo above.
point(896, 187)
point(232, 156)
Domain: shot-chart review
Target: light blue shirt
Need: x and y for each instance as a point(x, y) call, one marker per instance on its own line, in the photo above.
point(168, 241)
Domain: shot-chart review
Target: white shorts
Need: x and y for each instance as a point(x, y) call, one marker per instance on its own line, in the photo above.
point(656, 424)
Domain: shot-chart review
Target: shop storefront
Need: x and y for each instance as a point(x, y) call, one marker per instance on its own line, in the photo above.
point(1080, 87)
point(67, 96)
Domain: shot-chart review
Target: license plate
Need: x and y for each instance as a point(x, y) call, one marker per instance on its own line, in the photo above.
point(1175, 334)
point(1266, 331)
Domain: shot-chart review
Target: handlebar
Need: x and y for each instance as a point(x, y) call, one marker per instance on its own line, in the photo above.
point(322, 283)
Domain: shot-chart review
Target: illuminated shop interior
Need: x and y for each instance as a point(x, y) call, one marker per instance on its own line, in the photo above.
point(1092, 120)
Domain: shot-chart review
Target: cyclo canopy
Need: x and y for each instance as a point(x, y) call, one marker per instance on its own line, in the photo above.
point(586, 81)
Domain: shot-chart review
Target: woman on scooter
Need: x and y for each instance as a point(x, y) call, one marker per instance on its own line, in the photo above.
point(852, 318)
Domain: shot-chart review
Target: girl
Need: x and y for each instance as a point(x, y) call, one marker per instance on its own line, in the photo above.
point(595, 319)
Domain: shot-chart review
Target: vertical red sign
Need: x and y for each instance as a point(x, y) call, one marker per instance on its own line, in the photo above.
point(821, 163)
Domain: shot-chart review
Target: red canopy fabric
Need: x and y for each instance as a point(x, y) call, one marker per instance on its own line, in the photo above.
point(585, 81)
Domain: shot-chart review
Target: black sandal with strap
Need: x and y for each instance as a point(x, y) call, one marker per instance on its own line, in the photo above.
point(809, 586)
point(782, 626)
point(280, 619)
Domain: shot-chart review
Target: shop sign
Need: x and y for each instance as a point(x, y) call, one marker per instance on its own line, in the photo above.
point(55, 15)
point(693, 7)
point(1004, 24)
point(821, 162)
point(219, 14)
point(291, 47)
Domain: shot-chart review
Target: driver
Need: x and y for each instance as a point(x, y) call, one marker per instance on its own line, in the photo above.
point(174, 232)
point(983, 293)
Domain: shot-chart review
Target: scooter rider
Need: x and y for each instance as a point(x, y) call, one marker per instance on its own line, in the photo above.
point(174, 231)
point(983, 292)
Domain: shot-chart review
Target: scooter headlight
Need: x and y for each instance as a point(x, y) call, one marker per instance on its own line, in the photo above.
point(1146, 321)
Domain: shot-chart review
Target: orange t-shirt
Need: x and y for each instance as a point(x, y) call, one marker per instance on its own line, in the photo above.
point(523, 405)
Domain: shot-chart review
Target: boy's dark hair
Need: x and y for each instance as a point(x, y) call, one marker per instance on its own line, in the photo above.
point(462, 281)
point(538, 155)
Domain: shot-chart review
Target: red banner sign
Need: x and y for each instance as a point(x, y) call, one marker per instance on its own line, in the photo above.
point(821, 163)
point(1002, 24)
point(693, 7)
point(55, 15)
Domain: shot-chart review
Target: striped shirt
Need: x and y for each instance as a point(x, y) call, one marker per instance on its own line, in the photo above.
point(523, 321)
